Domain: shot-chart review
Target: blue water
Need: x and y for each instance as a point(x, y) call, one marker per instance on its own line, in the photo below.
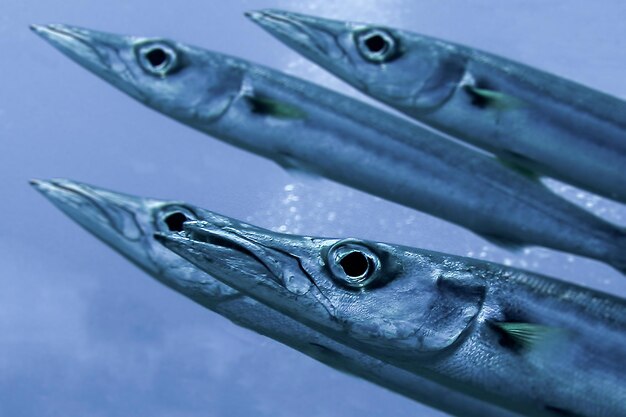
point(84, 333)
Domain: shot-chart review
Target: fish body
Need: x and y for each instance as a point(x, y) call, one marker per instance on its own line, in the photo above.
point(536, 120)
point(127, 224)
point(305, 127)
point(533, 344)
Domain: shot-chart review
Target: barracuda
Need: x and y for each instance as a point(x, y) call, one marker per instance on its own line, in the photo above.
point(127, 224)
point(535, 345)
point(303, 126)
point(536, 121)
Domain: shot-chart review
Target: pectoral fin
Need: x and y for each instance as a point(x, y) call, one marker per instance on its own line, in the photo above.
point(519, 168)
point(273, 108)
point(529, 335)
point(295, 168)
point(486, 98)
point(505, 243)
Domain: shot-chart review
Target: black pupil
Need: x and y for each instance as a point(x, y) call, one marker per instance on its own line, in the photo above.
point(156, 57)
point(175, 221)
point(354, 264)
point(375, 43)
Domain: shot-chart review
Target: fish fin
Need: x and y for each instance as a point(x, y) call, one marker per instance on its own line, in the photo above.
point(519, 168)
point(294, 167)
point(528, 335)
point(331, 358)
point(561, 412)
point(269, 107)
point(487, 98)
point(509, 244)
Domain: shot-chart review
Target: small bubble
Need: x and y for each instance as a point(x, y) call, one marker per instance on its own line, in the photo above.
point(290, 187)
point(332, 216)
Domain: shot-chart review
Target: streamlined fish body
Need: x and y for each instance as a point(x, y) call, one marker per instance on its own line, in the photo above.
point(303, 126)
point(537, 121)
point(533, 344)
point(127, 224)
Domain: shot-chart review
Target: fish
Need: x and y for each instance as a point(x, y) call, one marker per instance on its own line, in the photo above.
point(308, 128)
point(127, 223)
point(529, 343)
point(538, 121)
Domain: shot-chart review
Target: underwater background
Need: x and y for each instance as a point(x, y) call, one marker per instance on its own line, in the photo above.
point(85, 333)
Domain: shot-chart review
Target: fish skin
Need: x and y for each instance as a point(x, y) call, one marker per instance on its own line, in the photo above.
point(127, 224)
point(558, 128)
point(439, 316)
point(342, 139)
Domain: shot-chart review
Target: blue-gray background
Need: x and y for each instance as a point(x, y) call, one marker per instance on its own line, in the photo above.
point(84, 333)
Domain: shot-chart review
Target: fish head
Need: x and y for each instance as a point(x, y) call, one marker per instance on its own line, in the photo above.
point(385, 299)
point(128, 223)
point(404, 69)
point(190, 84)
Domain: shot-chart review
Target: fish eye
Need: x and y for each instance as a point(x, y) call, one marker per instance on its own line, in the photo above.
point(353, 264)
point(376, 45)
point(172, 218)
point(157, 58)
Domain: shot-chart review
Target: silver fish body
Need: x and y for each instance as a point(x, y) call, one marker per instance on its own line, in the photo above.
point(530, 118)
point(303, 126)
point(533, 344)
point(127, 224)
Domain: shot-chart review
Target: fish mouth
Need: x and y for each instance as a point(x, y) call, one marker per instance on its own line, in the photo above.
point(76, 43)
point(215, 246)
point(296, 30)
point(252, 261)
point(98, 52)
point(111, 217)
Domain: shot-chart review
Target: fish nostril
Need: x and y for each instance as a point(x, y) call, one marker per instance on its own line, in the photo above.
point(354, 264)
point(175, 221)
point(375, 43)
point(156, 57)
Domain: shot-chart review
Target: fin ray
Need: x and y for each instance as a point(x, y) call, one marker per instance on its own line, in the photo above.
point(529, 335)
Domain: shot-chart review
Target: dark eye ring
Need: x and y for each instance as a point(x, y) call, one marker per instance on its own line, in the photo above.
point(353, 264)
point(376, 45)
point(157, 58)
